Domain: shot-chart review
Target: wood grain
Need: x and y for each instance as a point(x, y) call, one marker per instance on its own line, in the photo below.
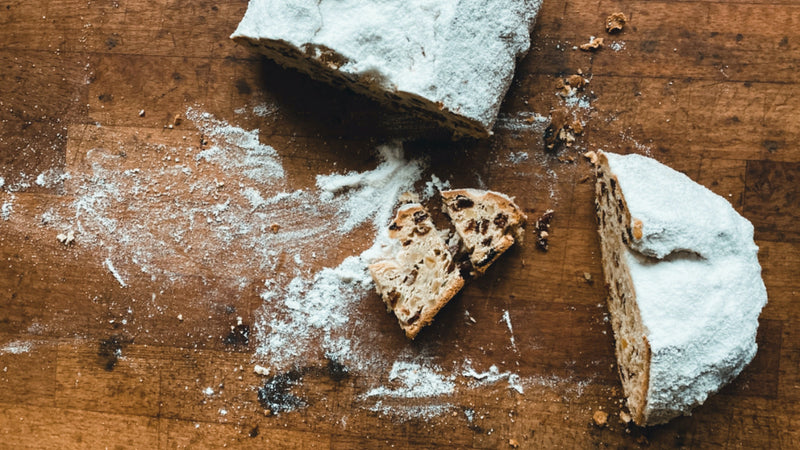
point(708, 87)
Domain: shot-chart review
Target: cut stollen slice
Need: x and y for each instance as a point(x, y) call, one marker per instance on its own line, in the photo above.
point(487, 222)
point(685, 287)
point(419, 277)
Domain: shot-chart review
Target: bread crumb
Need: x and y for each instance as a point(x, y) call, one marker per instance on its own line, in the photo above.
point(591, 156)
point(615, 22)
point(600, 418)
point(260, 370)
point(274, 227)
point(588, 277)
point(141, 113)
point(66, 238)
point(542, 228)
point(513, 443)
point(577, 127)
point(625, 417)
point(556, 134)
point(594, 44)
point(180, 317)
point(177, 120)
point(576, 81)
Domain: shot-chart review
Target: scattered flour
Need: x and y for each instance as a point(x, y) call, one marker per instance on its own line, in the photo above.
point(523, 121)
point(493, 375)
point(51, 178)
point(7, 208)
point(114, 272)
point(617, 45)
point(415, 381)
point(229, 203)
point(16, 348)
point(507, 320)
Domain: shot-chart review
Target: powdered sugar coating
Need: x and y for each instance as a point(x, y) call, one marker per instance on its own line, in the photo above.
point(460, 53)
point(697, 282)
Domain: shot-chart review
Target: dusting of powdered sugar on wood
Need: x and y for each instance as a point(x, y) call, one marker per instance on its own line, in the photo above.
point(229, 202)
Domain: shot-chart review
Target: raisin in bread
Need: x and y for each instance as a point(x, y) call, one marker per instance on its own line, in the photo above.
point(419, 277)
point(685, 288)
point(449, 61)
point(487, 222)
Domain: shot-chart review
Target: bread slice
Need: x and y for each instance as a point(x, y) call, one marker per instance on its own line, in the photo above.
point(419, 277)
point(487, 222)
point(449, 62)
point(685, 288)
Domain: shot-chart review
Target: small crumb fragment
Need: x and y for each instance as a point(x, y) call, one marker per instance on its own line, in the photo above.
point(177, 120)
point(261, 370)
point(141, 113)
point(576, 81)
point(594, 44)
point(274, 227)
point(513, 443)
point(600, 418)
point(542, 229)
point(66, 238)
point(180, 317)
point(591, 156)
point(625, 417)
point(577, 127)
point(615, 22)
point(588, 277)
point(556, 134)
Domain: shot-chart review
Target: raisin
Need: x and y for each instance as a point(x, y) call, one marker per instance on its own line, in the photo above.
point(501, 220)
point(487, 242)
point(411, 277)
point(484, 226)
point(462, 202)
point(392, 298)
point(420, 216)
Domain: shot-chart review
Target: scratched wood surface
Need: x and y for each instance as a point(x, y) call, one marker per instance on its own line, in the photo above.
point(710, 88)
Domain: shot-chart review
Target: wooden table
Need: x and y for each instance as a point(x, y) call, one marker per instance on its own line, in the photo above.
point(118, 340)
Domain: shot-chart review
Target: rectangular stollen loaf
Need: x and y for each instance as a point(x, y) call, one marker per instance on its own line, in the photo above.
point(449, 61)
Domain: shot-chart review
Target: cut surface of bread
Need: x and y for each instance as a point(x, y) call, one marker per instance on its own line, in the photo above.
point(487, 222)
point(419, 277)
point(447, 61)
point(685, 287)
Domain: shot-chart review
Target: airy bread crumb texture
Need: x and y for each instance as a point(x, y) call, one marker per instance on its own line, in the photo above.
point(422, 272)
point(421, 276)
point(631, 347)
point(487, 222)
